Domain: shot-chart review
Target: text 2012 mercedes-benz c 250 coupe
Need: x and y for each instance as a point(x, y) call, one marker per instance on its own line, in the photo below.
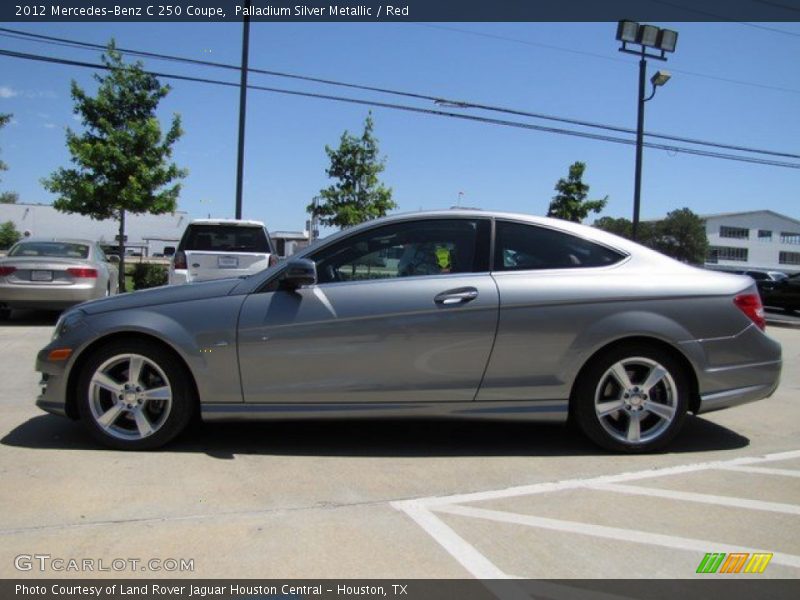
point(459, 313)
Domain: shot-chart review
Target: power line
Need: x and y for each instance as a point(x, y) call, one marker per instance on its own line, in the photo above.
point(414, 109)
point(778, 5)
point(727, 19)
point(439, 100)
point(504, 38)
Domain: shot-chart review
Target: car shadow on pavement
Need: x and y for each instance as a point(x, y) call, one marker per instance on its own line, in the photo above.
point(373, 438)
point(27, 318)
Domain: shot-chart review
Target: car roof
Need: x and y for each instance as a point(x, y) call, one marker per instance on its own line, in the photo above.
point(585, 231)
point(56, 240)
point(235, 222)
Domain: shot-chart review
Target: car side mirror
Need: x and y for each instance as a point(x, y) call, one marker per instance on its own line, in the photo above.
point(299, 272)
point(113, 259)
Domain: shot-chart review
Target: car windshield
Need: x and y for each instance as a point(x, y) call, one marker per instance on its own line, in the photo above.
point(55, 249)
point(226, 238)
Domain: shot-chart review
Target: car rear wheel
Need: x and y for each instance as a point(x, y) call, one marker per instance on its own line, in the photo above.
point(632, 399)
point(134, 395)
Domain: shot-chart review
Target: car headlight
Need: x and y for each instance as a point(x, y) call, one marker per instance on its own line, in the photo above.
point(67, 322)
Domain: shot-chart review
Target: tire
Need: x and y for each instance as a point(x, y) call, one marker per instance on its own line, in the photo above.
point(617, 412)
point(5, 314)
point(130, 412)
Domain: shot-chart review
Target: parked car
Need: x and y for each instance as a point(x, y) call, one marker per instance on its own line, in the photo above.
point(221, 248)
point(758, 275)
point(54, 274)
point(781, 293)
point(466, 314)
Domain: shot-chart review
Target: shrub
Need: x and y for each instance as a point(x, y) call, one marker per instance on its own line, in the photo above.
point(147, 276)
point(8, 235)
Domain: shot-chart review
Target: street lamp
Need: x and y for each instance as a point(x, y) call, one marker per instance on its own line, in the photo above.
point(659, 41)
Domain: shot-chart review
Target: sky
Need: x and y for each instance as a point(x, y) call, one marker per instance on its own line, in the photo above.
point(731, 83)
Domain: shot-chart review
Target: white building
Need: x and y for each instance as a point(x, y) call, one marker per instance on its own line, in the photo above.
point(148, 234)
point(758, 239)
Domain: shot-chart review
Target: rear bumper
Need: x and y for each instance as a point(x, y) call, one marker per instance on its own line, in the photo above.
point(45, 297)
point(178, 276)
point(744, 368)
point(728, 398)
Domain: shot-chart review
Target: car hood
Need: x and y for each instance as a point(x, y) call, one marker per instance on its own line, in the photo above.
point(162, 295)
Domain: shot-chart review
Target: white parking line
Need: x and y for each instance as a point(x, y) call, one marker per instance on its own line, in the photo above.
point(571, 484)
point(762, 470)
point(779, 507)
point(422, 511)
point(472, 560)
point(613, 533)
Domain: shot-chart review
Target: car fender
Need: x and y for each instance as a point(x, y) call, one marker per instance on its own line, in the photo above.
point(210, 354)
point(631, 324)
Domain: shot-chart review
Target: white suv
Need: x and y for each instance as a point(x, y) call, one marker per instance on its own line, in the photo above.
point(220, 248)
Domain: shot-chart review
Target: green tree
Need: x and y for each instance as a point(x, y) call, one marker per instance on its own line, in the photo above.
point(122, 160)
point(621, 226)
point(357, 195)
point(570, 203)
point(681, 235)
point(8, 235)
point(4, 119)
point(6, 197)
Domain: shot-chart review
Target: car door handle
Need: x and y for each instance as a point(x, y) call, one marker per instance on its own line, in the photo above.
point(457, 296)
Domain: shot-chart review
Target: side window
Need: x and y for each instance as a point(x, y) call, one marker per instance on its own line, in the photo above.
point(433, 247)
point(520, 247)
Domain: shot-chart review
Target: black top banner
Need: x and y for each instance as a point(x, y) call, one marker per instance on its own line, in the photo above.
point(399, 11)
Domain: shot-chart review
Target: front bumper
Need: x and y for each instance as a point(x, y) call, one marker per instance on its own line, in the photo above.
point(53, 384)
point(53, 394)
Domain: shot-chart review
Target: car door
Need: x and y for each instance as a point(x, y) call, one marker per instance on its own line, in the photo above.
point(404, 312)
point(548, 296)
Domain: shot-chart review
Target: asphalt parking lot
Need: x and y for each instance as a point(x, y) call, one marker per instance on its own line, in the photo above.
point(412, 499)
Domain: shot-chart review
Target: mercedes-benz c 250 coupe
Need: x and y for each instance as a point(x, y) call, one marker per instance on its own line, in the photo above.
point(457, 313)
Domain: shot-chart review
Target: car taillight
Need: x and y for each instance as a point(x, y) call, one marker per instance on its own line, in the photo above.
point(180, 260)
point(750, 304)
point(4, 271)
point(83, 272)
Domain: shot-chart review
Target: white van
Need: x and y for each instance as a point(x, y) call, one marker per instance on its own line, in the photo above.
point(220, 248)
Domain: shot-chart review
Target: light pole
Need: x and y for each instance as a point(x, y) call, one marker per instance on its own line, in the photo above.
point(661, 41)
point(242, 111)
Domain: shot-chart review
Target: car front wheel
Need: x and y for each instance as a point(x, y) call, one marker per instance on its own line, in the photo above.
point(632, 399)
point(134, 395)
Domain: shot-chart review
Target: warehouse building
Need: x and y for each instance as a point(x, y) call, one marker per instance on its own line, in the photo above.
point(758, 239)
point(146, 234)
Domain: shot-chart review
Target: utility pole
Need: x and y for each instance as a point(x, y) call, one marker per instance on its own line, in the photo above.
point(242, 109)
point(637, 183)
point(660, 41)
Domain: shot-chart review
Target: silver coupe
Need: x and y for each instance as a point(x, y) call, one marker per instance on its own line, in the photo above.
point(466, 314)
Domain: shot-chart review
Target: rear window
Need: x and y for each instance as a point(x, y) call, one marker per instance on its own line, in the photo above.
point(225, 238)
point(521, 247)
point(56, 249)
